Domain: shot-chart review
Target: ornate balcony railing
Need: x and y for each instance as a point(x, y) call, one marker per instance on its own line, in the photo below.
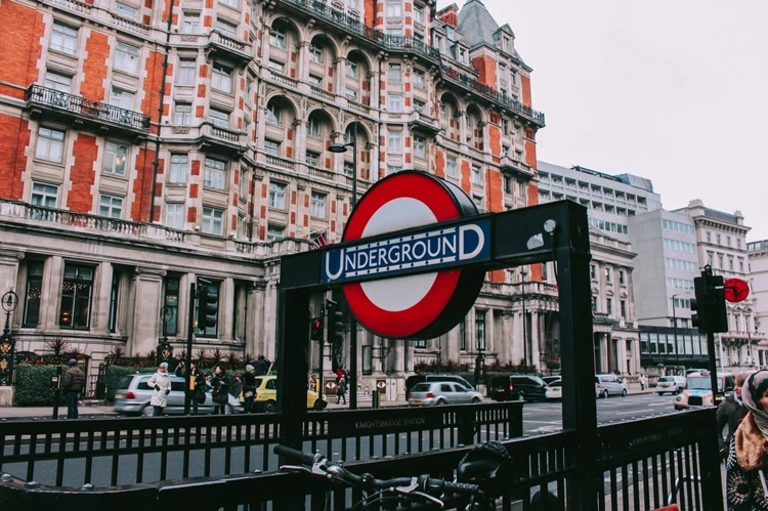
point(284, 80)
point(224, 137)
point(235, 48)
point(283, 163)
point(424, 121)
point(357, 27)
point(501, 98)
point(87, 222)
point(330, 96)
point(321, 173)
point(511, 165)
point(130, 25)
point(82, 107)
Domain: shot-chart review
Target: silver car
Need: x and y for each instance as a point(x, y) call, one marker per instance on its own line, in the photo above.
point(609, 385)
point(442, 393)
point(133, 395)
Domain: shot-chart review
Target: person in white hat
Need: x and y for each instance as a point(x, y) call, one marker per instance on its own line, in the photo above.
point(161, 383)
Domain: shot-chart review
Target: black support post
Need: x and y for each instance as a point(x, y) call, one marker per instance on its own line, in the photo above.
point(188, 361)
point(578, 370)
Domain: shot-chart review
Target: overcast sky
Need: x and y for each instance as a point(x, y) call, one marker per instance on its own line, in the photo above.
point(670, 90)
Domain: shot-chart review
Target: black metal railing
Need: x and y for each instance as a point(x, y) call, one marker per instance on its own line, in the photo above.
point(80, 106)
point(639, 465)
point(509, 102)
point(113, 451)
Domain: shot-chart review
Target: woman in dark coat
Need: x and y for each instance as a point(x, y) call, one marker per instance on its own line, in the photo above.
point(220, 384)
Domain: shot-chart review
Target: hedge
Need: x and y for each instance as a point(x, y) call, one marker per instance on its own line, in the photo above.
point(33, 385)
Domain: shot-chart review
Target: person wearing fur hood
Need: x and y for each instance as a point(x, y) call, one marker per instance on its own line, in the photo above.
point(747, 465)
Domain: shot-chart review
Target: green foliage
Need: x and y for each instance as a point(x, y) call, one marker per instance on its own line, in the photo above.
point(33, 385)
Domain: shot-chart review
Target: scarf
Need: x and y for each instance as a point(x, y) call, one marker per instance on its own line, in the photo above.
point(750, 438)
point(753, 390)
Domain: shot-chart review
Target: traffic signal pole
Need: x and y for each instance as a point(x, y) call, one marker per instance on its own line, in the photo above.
point(188, 362)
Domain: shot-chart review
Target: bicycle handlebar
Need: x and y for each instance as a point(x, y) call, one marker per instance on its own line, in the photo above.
point(321, 466)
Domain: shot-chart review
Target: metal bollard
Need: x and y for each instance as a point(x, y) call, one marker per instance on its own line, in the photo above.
point(375, 399)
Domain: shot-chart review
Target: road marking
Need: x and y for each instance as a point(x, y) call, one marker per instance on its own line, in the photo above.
point(543, 422)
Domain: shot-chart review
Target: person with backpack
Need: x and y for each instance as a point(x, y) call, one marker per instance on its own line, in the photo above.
point(72, 385)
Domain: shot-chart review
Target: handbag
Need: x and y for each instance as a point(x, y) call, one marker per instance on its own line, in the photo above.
point(248, 393)
point(200, 398)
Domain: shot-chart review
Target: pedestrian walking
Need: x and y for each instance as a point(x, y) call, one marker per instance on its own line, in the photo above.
point(341, 391)
point(730, 413)
point(746, 486)
point(643, 382)
point(72, 385)
point(220, 384)
point(196, 389)
point(249, 388)
point(161, 383)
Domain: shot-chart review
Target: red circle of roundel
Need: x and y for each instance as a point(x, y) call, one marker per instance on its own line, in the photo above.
point(396, 324)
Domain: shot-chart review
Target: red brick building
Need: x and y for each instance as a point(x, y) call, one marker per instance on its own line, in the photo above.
point(147, 144)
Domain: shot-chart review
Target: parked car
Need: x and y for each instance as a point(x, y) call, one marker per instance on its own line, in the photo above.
point(554, 390)
point(132, 397)
point(517, 386)
point(420, 378)
point(698, 391)
point(607, 385)
point(671, 384)
point(442, 393)
point(266, 396)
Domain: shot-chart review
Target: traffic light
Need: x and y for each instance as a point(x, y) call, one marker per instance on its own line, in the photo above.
point(698, 307)
point(207, 309)
point(709, 305)
point(718, 315)
point(316, 326)
point(337, 320)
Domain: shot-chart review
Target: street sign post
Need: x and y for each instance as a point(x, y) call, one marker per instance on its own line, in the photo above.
point(432, 297)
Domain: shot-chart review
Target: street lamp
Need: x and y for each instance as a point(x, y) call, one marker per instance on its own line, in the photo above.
point(524, 273)
point(7, 343)
point(340, 147)
point(674, 329)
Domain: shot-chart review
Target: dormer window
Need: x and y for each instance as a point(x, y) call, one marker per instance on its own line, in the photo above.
point(505, 43)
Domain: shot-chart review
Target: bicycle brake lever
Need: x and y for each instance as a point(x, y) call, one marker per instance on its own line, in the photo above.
point(411, 490)
point(295, 468)
point(430, 498)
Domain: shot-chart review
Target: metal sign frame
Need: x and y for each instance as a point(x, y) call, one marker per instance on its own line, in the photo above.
point(556, 231)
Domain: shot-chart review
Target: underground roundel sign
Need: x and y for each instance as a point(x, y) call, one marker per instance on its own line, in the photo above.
point(418, 284)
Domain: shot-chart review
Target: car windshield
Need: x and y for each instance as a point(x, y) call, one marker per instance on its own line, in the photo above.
point(666, 378)
point(421, 387)
point(703, 382)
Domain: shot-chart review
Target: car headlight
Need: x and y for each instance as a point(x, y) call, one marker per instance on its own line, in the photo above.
point(678, 398)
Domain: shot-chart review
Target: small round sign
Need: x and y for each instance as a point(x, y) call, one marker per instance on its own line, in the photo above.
point(736, 290)
point(424, 305)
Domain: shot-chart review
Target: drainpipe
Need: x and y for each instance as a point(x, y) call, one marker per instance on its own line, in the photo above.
point(161, 92)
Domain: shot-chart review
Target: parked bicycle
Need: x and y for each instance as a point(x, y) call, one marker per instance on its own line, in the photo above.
point(482, 475)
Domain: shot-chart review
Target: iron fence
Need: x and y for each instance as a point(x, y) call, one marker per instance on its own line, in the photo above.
point(115, 451)
point(638, 464)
